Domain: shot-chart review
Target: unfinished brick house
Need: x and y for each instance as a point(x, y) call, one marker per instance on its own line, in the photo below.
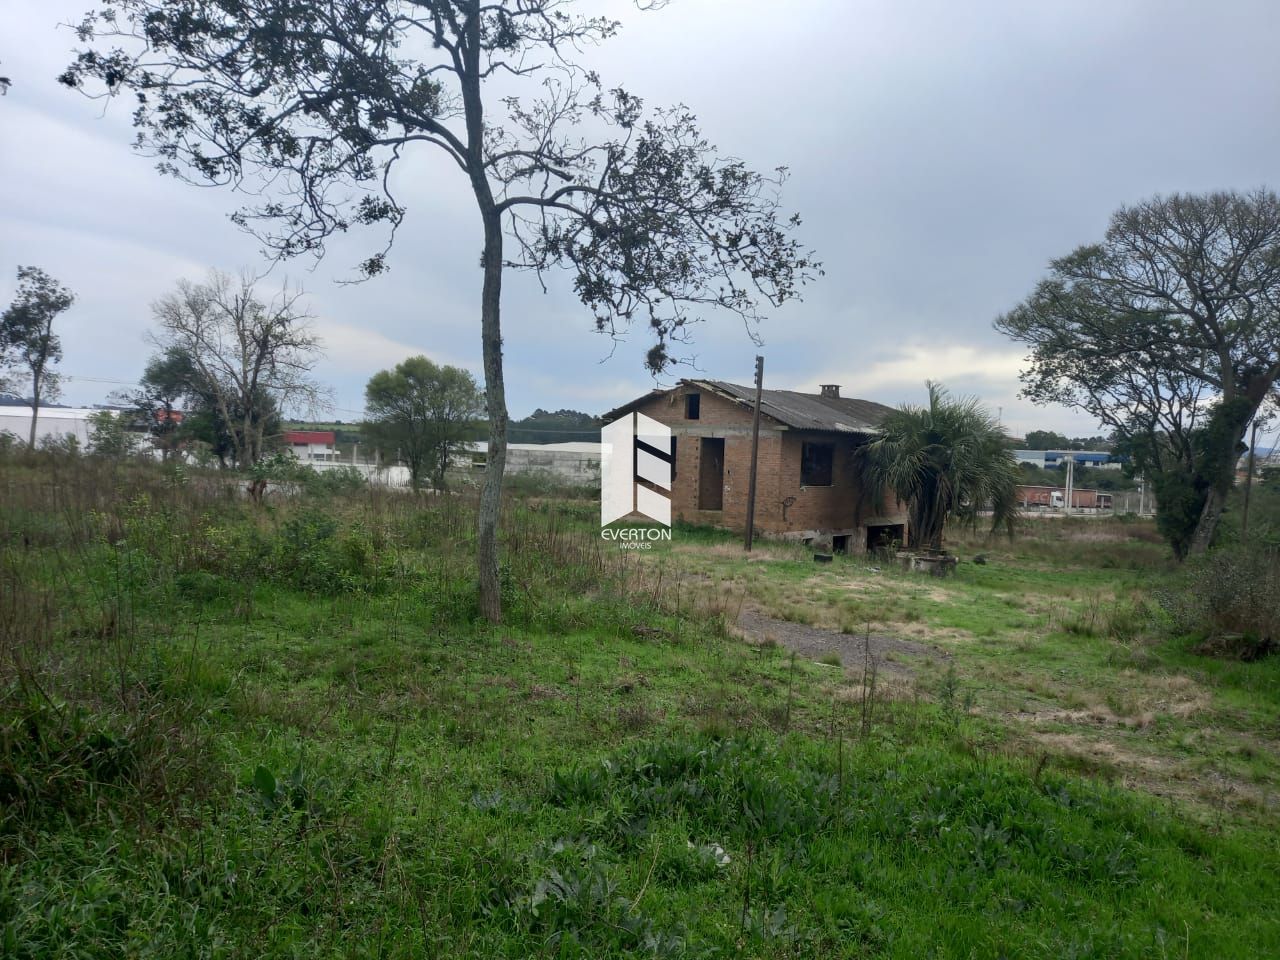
point(806, 486)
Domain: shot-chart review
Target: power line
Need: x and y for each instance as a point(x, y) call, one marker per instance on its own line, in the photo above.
point(122, 383)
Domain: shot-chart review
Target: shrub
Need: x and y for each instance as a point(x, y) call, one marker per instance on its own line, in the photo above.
point(331, 482)
point(1232, 595)
point(67, 762)
point(64, 444)
point(546, 483)
point(311, 552)
point(109, 436)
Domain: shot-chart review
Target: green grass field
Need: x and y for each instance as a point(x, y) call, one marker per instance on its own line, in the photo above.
point(281, 732)
point(1059, 640)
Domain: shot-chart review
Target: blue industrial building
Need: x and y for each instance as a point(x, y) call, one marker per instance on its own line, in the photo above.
point(1053, 459)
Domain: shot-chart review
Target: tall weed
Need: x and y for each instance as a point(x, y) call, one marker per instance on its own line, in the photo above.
point(1230, 599)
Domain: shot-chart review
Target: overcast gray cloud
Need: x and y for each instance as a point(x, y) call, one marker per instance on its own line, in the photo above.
point(941, 154)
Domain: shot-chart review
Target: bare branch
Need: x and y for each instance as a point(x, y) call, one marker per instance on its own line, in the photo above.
point(253, 356)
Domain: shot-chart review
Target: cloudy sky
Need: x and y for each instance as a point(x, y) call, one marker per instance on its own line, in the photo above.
point(941, 154)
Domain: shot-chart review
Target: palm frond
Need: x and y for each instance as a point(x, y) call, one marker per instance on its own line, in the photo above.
point(947, 461)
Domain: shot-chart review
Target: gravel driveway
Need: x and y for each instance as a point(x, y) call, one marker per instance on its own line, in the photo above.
point(891, 654)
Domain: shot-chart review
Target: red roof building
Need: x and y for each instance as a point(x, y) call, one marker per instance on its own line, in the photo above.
point(311, 444)
point(304, 438)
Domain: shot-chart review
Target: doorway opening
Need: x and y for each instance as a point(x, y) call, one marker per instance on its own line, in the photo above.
point(711, 474)
point(885, 537)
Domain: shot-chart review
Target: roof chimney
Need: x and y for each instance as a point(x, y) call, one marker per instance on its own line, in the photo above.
point(831, 390)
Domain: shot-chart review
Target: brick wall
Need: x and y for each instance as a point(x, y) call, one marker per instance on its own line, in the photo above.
point(835, 508)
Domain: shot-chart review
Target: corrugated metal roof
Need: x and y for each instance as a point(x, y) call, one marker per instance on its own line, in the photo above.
point(807, 411)
point(309, 436)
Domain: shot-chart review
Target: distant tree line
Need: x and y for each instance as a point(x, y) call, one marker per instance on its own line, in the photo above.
point(541, 426)
point(422, 415)
point(1048, 440)
point(230, 359)
point(559, 426)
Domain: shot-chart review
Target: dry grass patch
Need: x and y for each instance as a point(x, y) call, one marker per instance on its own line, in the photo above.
point(1206, 792)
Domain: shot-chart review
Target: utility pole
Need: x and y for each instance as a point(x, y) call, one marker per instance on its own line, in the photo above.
point(1071, 476)
point(1248, 483)
point(755, 451)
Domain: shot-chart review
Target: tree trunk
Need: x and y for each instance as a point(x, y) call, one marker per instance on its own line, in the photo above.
point(441, 467)
point(496, 401)
point(1237, 414)
point(248, 455)
point(1207, 525)
point(237, 452)
point(490, 319)
point(35, 410)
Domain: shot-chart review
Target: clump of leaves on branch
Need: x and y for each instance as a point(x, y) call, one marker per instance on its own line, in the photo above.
point(318, 103)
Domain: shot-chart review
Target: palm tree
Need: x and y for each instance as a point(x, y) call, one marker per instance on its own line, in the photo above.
point(946, 461)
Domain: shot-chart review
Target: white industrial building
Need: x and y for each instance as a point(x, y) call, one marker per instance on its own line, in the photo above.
point(51, 422)
point(312, 446)
point(575, 462)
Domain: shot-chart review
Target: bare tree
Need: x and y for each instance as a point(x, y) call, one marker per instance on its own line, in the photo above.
point(1168, 329)
point(251, 355)
point(27, 340)
point(313, 97)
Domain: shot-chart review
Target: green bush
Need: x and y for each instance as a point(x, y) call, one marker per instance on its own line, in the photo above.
point(312, 550)
point(330, 483)
point(1264, 515)
point(109, 436)
point(51, 758)
point(1232, 598)
point(64, 762)
point(545, 483)
point(310, 553)
point(64, 444)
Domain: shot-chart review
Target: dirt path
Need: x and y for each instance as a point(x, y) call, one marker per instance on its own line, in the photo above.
point(890, 653)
